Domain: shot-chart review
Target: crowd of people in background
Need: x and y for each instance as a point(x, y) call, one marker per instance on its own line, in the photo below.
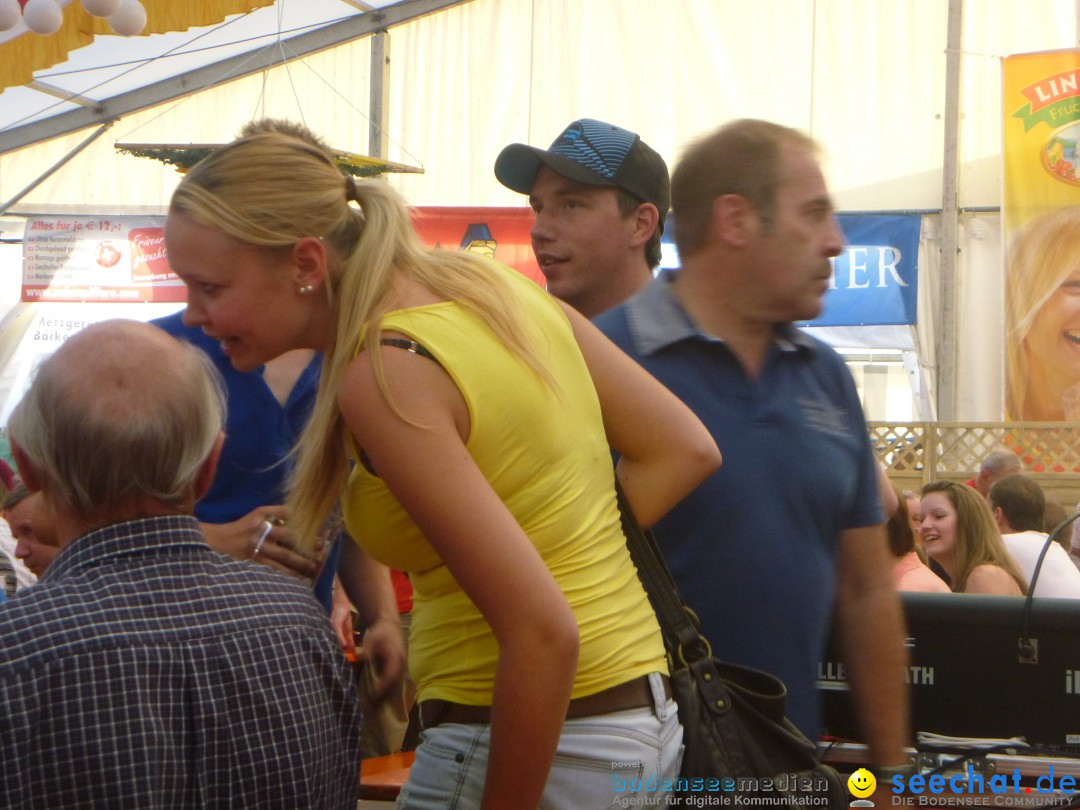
point(991, 535)
point(417, 450)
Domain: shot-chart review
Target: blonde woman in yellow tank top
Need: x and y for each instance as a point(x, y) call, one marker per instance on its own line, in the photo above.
point(463, 422)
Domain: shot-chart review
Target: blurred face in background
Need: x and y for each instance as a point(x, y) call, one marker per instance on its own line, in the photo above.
point(31, 526)
point(914, 508)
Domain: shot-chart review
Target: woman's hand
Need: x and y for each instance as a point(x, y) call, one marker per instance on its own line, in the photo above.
point(383, 652)
point(263, 535)
point(341, 619)
point(367, 585)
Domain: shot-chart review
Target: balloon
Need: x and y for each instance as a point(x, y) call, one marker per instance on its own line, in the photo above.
point(43, 16)
point(101, 8)
point(129, 19)
point(10, 14)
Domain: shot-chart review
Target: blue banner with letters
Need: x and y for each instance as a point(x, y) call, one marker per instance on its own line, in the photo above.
point(876, 276)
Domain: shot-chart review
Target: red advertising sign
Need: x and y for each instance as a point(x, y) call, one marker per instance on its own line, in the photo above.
point(501, 233)
point(116, 258)
point(122, 258)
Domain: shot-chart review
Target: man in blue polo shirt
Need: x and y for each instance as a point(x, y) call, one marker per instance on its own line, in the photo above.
point(790, 528)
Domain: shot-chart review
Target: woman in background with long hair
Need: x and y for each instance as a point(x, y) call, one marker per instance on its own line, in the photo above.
point(909, 572)
point(958, 531)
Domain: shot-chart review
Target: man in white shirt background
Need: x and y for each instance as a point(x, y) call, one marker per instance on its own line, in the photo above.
point(1018, 503)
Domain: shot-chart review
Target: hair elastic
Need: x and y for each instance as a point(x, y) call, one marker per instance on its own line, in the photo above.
point(350, 189)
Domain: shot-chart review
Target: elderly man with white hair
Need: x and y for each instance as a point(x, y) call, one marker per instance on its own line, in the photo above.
point(998, 464)
point(145, 669)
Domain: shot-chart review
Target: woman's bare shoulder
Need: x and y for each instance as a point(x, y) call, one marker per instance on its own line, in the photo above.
point(991, 579)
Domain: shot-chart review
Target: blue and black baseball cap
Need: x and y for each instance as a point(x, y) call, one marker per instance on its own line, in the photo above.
point(596, 154)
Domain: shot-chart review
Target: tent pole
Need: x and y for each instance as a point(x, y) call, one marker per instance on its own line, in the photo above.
point(946, 348)
point(379, 95)
point(55, 167)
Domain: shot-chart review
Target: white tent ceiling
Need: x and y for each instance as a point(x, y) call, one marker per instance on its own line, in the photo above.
point(115, 76)
point(866, 78)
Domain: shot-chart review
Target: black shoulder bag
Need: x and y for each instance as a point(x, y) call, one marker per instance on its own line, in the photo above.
point(738, 741)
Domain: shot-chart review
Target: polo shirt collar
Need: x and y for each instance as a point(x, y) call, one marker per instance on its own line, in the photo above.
point(656, 319)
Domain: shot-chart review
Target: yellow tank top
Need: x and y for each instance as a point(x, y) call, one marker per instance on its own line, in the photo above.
point(545, 454)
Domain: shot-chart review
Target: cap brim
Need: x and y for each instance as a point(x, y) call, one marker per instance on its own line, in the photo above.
point(517, 165)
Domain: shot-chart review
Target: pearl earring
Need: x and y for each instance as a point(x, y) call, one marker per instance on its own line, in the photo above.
point(307, 288)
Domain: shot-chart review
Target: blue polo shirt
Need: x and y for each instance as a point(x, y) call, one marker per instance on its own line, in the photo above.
point(259, 433)
point(753, 549)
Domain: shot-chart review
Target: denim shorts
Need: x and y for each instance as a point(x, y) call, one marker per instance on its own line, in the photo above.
point(611, 760)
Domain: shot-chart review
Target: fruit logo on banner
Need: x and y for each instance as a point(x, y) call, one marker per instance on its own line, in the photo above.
point(1041, 219)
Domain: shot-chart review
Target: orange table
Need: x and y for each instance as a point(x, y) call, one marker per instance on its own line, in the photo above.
point(382, 777)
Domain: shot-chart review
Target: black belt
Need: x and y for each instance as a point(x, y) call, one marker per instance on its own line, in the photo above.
point(635, 694)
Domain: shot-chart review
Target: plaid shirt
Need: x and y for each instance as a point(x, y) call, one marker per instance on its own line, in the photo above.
point(145, 670)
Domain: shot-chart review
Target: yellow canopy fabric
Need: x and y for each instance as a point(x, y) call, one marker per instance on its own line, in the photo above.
point(21, 56)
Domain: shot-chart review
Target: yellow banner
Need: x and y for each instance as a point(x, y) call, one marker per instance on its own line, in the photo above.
point(1041, 222)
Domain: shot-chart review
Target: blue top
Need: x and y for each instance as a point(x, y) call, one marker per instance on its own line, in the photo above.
point(259, 433)
point(753, 549)
point(147, 670)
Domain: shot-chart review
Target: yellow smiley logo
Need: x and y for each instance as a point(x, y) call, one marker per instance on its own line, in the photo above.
point(861, 783)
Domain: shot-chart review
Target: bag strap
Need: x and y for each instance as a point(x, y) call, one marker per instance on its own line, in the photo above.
point(678, 624)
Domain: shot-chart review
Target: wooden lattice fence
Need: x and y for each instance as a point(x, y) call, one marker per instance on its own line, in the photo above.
point(918, 452)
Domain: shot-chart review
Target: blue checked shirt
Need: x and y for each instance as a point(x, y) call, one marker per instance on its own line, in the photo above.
point(145, 670)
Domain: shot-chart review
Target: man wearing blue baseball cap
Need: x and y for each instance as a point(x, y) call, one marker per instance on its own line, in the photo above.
point(601, 195)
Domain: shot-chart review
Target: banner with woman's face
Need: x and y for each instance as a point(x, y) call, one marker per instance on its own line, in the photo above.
point(1041, 216)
